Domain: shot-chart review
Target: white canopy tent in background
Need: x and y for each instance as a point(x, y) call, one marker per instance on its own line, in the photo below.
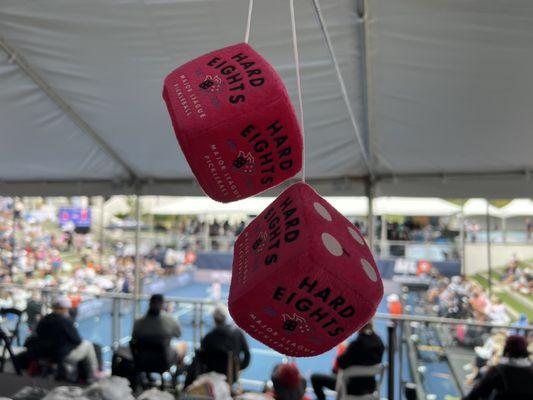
point(437, 99)
point(440, 92)
point(478, 207)
point(518, 208)
point(348, 206)
point(412, 206)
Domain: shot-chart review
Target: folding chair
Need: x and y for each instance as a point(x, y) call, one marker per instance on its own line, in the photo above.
point(151, 357)
point(9, 333)
point(359, 371)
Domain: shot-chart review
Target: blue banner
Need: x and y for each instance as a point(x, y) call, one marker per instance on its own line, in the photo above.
point(80, 217)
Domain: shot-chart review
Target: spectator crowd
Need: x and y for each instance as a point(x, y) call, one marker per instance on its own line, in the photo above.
point(37, 256)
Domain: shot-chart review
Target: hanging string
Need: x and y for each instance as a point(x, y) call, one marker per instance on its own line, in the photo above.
point(249, 21)
point(298, 82)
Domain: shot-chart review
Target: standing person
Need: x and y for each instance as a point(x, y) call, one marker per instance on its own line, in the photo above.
point(75, 301)
point(367, 349)
point(157, 326)
point(221, 340)
point(511, 379)
point(215, 291)
point(58, 338)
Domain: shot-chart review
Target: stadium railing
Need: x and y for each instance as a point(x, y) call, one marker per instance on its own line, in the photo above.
point(400, 330)
point(430, 250)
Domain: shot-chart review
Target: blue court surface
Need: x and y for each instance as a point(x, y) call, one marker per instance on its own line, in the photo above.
point(436, 378)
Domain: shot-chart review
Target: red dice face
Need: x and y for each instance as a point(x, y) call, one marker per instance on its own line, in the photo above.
point(303, 277)
point(234, 122)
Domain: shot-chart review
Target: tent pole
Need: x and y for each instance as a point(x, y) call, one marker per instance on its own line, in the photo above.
point(101, 247)
point(384, 246)
point(462, 241)
point(504, 229)
point(363, 145)
point(137, 274)
point(371, 233)
point(14, 240)
point(489, 260)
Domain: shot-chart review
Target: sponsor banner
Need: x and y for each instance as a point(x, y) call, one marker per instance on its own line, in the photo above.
point(388, 267)
point(402, 267)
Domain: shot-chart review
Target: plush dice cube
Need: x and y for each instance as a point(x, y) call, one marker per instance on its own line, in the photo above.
point(234, 122)
point(303, 277)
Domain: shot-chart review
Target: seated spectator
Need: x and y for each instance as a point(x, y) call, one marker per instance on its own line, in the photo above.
point(6, 300)
point(512, 378)
point(497, 312)
point(522, 322)
point(157, 326)
point(491, 350)
point(288, 383)
point(58, 338)
point(367, 349)
point(34, 309)
point(216, 344)
point(478, 302)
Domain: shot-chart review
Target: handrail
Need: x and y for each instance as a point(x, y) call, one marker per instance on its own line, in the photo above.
point(107, 295)
point(202, 302)
point(448, 321)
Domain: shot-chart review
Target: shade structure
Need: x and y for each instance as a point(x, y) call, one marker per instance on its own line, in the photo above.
point(348, 206)
point(478, 207)
point(518, 208)
point(204, 205)
point(440, 92)
point(409, 206)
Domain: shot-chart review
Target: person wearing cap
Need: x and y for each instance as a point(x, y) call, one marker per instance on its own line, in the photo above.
point(58, 338)
point(366, 349)
point(161, 327)
point(511, 379)
point(394, 305)
point(222, 339)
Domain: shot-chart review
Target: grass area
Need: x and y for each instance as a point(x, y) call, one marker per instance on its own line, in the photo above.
point(505, 297)
point(498, 271)
point(516, 305)
point(484, 282)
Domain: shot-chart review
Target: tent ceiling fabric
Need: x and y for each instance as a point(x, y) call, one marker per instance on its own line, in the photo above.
point(447, 86)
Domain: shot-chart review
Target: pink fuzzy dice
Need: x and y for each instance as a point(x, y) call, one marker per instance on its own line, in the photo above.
point(234, 122)
point(303, 277)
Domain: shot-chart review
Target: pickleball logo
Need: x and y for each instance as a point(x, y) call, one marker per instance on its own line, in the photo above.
point(260, 243)
point(293, 322)
point(319, 304)
point(244, 162)
point(211, 83)
point(239, 72)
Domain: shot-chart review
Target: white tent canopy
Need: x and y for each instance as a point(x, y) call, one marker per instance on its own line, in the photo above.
point(518, 208)
point(478, 207)
point(349, 206)
point(440, 91)
point(415, 206)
